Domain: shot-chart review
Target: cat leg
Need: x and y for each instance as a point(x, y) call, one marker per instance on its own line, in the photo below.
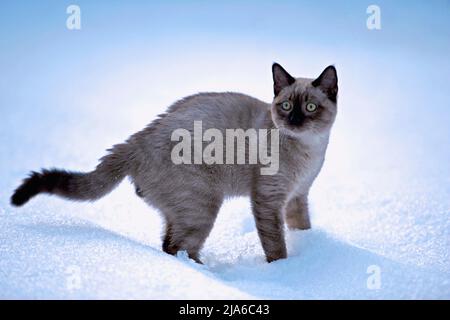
point(267, 210)
point(190, 227)
point(297, 214)
point(167, 245)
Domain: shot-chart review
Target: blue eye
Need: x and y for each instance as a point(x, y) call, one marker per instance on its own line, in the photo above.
point(286, 106)
point(311, 107)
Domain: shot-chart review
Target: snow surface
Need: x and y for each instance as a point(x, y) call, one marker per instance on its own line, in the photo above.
point(382, 198)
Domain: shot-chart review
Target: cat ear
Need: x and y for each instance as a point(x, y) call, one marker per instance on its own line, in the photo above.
point(281, 78)
point(328, 82)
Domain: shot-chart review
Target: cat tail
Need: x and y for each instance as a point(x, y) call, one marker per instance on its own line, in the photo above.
point(111, 170)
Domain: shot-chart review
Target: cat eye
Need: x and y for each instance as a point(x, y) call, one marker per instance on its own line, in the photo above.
point(286, 106)
point(311, 107)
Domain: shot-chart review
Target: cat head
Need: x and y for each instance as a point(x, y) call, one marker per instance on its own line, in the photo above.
point(304, 108)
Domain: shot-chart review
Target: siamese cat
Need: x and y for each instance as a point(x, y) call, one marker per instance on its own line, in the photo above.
point(189, 196)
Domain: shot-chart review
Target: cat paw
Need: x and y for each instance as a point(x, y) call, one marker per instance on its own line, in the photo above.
point(298, 224)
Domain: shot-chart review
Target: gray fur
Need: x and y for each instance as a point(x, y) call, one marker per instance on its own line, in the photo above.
point(190, 196)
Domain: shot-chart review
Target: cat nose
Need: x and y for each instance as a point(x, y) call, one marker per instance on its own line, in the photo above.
point(296, 119)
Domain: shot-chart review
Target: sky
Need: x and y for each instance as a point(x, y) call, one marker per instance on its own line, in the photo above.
point(130, 60)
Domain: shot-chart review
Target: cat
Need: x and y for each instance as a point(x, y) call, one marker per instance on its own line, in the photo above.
point(189, 196)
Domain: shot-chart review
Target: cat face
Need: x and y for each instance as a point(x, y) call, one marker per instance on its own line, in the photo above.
point(304, 107)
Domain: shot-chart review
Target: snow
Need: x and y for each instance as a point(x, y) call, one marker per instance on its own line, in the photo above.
point(381, 202)
point(42, 253)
